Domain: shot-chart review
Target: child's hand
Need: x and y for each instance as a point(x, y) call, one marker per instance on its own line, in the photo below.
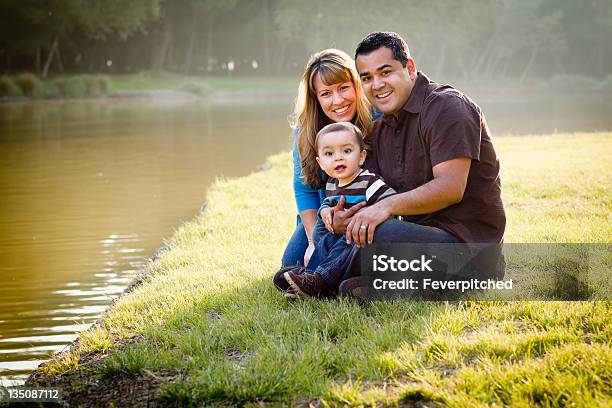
point(327, 215)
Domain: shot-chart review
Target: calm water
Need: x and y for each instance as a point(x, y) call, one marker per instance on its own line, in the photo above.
point(89, 189)
point(88, 192)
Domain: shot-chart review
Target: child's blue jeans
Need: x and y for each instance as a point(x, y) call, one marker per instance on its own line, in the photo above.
point(332, 258)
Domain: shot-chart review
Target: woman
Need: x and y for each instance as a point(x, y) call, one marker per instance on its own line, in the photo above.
point(330, 91)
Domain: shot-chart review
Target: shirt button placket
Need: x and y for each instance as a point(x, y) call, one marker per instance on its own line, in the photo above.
point(397, 146)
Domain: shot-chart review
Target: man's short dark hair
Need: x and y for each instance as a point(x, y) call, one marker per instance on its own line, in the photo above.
point(391, 40)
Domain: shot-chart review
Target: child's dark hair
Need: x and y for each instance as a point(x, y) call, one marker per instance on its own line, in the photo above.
point(391, 40)
point(339, 126)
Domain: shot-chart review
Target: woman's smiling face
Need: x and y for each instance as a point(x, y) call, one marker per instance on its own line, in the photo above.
point(338, 101)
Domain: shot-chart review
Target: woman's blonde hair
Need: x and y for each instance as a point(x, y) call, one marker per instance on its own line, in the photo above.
point(333, 66)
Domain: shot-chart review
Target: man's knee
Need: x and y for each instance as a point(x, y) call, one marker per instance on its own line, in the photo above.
point(389, 231)
point(395, 230)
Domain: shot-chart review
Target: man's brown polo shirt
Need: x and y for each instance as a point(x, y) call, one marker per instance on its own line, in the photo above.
point(439, 123)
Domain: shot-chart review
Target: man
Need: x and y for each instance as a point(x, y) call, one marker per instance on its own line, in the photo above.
point(433, 147)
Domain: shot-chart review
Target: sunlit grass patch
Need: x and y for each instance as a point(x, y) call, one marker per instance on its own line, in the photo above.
point(577, 374)
point(557, 187)
point(202, 85)
point(207, 309)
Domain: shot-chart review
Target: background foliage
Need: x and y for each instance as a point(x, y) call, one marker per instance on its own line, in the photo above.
point(468, 40)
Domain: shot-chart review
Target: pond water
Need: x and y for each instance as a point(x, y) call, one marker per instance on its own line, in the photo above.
point(89, 190)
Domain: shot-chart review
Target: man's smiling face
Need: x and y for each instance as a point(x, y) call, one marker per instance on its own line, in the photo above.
point(386, 83)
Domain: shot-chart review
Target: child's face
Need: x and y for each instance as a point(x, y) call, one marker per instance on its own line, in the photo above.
point(339, 155)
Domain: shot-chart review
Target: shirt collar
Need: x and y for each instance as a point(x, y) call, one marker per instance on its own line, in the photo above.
point(417, 95)
point(416, 98)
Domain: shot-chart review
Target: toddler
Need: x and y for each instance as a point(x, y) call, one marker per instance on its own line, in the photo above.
point(340, 153)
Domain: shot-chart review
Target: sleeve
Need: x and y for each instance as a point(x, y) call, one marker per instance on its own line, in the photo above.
point(325, 204)
point(451, 128)
point(377, 190)
point(306, 197)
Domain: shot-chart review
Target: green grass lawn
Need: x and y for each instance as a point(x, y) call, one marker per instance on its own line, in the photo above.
point(148, 81)
point(85, 85)
point(208, 325)
point(95, 85)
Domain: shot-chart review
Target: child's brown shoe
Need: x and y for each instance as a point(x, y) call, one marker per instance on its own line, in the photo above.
point(306, 284)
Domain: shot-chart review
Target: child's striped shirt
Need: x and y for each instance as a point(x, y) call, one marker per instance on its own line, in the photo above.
point(366, 187)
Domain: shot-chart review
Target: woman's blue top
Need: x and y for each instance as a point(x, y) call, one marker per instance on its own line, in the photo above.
point(306, 197)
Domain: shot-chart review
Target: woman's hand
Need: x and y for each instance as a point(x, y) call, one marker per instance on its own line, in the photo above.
point(342, 217)
point(327, 215)
point(308, 253)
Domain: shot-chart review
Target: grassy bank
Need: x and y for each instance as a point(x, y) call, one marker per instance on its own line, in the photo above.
point(80, 86)
point(207, 325)
point(15, 87)
point(206, 85)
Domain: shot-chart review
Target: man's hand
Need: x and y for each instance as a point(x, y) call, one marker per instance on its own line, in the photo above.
point(327, 215)
point(342, 217)
point(364, 224)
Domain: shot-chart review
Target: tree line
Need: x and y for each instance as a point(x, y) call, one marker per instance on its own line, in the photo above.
point(468, 39)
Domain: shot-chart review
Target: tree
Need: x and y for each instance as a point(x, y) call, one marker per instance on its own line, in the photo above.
point(46, 24)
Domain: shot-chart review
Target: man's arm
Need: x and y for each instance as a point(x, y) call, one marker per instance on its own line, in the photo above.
point(446, 189)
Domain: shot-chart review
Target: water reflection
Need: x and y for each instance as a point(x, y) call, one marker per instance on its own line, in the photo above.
point(89, 189)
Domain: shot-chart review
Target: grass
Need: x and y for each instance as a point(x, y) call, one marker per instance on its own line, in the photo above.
point(148, 81)
point(94, 85)
point(81, 85)
point(207, 311)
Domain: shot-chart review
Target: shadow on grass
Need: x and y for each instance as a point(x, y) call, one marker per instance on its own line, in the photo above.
point(250, 344)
